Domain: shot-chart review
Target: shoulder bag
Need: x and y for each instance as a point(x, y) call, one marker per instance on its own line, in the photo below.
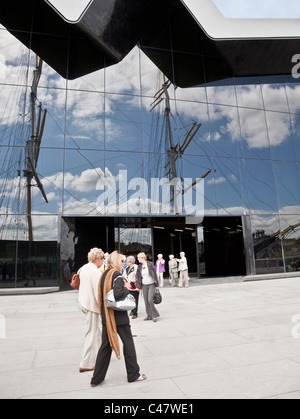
point(75, 281)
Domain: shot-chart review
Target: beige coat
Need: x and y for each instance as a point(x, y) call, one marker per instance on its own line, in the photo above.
point(88, 291)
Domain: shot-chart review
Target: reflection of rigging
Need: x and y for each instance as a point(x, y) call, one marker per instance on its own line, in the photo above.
point(175, 151)
point(33, 145)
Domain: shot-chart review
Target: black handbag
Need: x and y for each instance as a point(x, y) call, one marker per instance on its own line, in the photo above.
point(157, 299)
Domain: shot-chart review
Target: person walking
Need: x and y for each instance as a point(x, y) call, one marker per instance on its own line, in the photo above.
point(147, 281)
point(88, 304)
point(173, 270)
point(115, 323)
point(183, 269)
point(129, 274)
point(160, 269)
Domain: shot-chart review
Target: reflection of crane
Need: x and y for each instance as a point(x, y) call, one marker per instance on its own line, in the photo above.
point(33, 145)
point(175, 152)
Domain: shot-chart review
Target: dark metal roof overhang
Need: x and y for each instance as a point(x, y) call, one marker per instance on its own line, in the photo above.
point(167, 31)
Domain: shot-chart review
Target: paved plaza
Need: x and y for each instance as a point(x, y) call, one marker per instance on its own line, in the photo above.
point(232, 340)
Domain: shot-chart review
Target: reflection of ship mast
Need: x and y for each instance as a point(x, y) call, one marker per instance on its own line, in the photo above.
point(175, 152)
point(33, 145)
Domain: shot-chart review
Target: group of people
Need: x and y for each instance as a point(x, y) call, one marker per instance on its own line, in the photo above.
point(97, 278)
point(175, 266)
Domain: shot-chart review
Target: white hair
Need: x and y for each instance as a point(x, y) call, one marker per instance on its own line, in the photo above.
point(95, 254)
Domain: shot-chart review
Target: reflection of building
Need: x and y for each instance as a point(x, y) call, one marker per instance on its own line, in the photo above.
point(101, 124)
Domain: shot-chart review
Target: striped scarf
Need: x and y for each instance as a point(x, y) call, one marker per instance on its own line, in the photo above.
point(109, 314)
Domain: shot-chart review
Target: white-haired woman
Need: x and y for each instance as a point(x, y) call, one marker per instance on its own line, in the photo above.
point(183, 269)
point(129, 274)
point(88, 304)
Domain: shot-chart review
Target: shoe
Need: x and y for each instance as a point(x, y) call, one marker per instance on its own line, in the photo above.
point(95, 385)
point(142, 377)
point(155, 319)
point(134, 317)
point(81, 370)
point(147, 318)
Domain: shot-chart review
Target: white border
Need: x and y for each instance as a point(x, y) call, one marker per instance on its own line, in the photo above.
point(218, 27)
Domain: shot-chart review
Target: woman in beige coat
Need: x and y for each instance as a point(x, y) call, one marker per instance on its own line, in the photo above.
point(88, 304)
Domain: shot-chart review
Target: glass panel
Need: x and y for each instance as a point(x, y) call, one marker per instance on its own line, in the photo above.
point(13, 60)
point(53, 101)
point(50, 173)
point(293, 91)
point(275, 97)
point(36, 263)
point(124, 78)
point(267, 244)
point(230, 184)
point(83, 172)
point(287, 185)
point(254, 134)
point(186, 129)
point(249, 96)
point(281, 136)
point(201, 251)
point(225, 131)
point(8, 235)
point(197, 167)
point(260, 185)
point(224, 95)
point(123, 124)
point(290, 235)
point(132, 241)
point(85, 120)
point(10, 183)
point(296, 132)
point(12, 113)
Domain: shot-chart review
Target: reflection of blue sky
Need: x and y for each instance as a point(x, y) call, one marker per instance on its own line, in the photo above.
point(111, 126)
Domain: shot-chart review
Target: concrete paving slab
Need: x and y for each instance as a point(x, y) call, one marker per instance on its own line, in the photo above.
point(231, 340)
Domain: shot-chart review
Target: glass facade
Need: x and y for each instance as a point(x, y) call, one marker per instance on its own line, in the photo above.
point(243, 140)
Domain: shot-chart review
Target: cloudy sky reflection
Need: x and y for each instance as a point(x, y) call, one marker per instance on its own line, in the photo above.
point(102, 123)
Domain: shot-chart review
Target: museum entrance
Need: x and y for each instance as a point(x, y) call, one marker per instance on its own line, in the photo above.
point(213, 248)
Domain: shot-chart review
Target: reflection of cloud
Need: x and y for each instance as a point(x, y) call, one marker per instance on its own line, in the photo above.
point(230, 178)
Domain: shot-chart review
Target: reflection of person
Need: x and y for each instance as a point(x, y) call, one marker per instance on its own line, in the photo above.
point(115, 323)
point(173, 270)
point(183, 269)
point(146, 279)
point(31, 274)
point(88, 303)
point(129, 274)
point(160, 269)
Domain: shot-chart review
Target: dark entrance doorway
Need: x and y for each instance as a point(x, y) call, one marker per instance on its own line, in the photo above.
point(172, 236)
point(224, 253)
point(216, 248)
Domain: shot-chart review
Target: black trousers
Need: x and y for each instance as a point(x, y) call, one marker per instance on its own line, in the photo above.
point(136, 295)
point(105, 351)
